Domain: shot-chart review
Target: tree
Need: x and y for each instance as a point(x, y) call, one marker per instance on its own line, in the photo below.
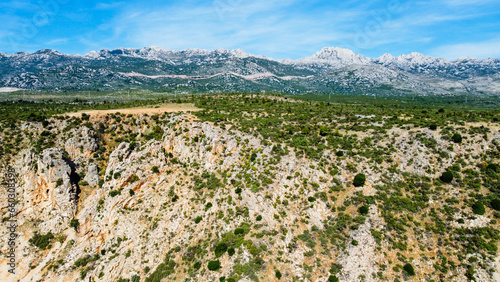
point(446, 177)
point(278, 274)
point(220, 249)
point(323, 130)
point(333, 278)
point(433, 127)
point(364, 210)
point(75, 224)
point(478, 208)
point(495, 204)
point(408, 269)
point(457, 138)
point(359, 180)
point(214, 265)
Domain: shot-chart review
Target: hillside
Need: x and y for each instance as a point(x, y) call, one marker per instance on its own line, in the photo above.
point(248, 187)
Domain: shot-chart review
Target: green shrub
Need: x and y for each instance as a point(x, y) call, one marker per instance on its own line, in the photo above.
point(446, 177)
point(220, 249)
point(74, 223)
point(238, 231)
point(198, 219)
point(114, 193)
point(259, 217)
point(214, 265)
point(339, 153)
point(333, 278)
point(311, 199)
point(155, 169)
point(492, 168)
point(433, 127)
point(408, 269)
point(163, 270)
point(134, 178)
point(359, 180)
point(478, 208)
point(230, 252)
point(42, 241)
point(495, 204)
point(59, 182)
point(278, 275)
point(197, 265)
point(457, 138)
point(364, 210)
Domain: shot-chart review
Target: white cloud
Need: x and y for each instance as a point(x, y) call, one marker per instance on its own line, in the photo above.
point(468, 2)
point(261, 27)
point(57, 41)
point(486, 49)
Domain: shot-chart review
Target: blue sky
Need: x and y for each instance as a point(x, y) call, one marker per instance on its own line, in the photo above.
point(274, 28)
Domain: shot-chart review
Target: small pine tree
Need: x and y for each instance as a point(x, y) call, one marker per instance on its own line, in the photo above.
point(457, 138)
point(446, 177)
point(478, 208)
point(359, 180)
point(408, 269)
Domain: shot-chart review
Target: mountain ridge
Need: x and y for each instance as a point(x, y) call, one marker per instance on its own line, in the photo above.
point(330, 70)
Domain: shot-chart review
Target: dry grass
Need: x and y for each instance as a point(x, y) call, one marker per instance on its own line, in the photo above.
point(159, 109)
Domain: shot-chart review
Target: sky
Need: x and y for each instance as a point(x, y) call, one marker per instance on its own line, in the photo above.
point(274, 28)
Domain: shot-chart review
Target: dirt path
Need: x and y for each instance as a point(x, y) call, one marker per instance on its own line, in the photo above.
point(163, 108)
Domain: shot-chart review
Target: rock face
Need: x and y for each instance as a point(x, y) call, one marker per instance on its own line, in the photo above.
point(92, 176)
point(50, 193)
point(175, 196)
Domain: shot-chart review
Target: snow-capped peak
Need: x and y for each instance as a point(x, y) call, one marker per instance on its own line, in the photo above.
point(335, 56)
point(48, 52)
point(410, 61)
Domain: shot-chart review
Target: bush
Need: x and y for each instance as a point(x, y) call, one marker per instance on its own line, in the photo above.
point(359, 180)
point(311, 199)
point(457, 138)
point(408, 269)
point(197, 265)
point(230, 252)
point(75, 224)
point(134, 178)
point(114, 193)
point(259, 217)
point(364, 210)
point(42, 241)
point(155, 169)
point(198, 219)
point(446, 177)
point(495, 204)
point(238, 231)
point(59, 182)
point(339, 153)
point(492, 168)
point(433, 127)
point(478, 208)
point(214, 265)
point(278, 274)
point(220, 249)
point(333, 278)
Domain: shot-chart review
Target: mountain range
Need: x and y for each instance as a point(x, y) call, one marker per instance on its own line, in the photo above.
point(331, 70)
